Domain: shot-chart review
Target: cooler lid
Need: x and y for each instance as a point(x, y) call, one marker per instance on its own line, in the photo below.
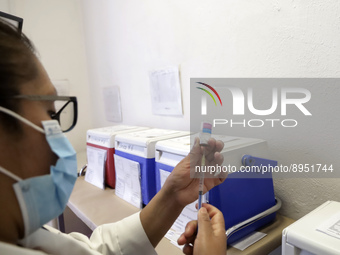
point(149, 136)
point(182, 145)
point(142, 143)
point(105, 136)
point(305, 233)
point(178, 145)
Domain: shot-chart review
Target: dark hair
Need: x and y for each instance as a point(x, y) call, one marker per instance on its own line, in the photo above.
point(17, 66)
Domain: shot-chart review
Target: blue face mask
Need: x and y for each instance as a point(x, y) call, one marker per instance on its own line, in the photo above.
point(43, 198)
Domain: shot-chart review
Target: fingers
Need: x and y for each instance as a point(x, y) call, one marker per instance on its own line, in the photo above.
point(188, 237)
point(191, 228)
point(211, 232)
point(218, 157)
point(217, 222)
point(204, 224)
point(212, 210)
point(213, 145)
point(213, 157)
point(195, 153)
point(214, 213)
point(212, 151)
point(188, 249)
point(189, 233)
point(219, 145)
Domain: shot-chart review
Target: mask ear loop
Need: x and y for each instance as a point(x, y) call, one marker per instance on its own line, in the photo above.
point(27, 122)
point(9, 174)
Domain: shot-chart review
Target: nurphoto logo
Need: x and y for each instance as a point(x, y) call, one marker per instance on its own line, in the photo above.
point(243, 100)
point(204, 98)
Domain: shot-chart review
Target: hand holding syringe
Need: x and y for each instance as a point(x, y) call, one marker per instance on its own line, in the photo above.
point(190, 166)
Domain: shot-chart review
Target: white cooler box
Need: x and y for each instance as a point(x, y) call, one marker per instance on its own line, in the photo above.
point(140, 147)
point(239, 197)
point(104, 139)
point(317, 233)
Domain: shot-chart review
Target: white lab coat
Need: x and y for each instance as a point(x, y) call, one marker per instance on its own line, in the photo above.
point(124, 237)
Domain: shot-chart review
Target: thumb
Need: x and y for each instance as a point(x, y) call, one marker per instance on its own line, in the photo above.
point(204, 224)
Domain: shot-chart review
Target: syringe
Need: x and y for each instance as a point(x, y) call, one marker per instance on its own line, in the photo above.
point(204, 138)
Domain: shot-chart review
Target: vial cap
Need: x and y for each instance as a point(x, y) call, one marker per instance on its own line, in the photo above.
point(205, 133)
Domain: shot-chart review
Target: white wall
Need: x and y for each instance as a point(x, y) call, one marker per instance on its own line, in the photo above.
point(56, 29)
point(126, 39)
point(220, 38)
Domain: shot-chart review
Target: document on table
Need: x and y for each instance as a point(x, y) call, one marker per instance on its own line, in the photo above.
point(248, 240)
point(173, 237)
point(128, 186)
point(95, 171)
point(331, 226)
point(189, 213)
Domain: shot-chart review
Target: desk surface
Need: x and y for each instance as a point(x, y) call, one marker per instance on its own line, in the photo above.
point(95, 207)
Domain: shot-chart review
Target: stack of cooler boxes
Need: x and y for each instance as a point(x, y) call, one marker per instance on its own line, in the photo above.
point(140, 147)
point(104, 138)
point(239, 197)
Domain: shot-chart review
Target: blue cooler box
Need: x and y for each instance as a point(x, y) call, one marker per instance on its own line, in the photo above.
point(242, 195)
point(140, 147)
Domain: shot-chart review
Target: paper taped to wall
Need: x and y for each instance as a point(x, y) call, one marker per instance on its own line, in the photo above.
point(166, 97)
point(112, 105)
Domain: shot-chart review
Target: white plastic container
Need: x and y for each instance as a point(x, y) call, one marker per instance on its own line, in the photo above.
point(304, 236)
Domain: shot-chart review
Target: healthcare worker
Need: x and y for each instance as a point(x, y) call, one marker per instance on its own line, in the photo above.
point(38, 172)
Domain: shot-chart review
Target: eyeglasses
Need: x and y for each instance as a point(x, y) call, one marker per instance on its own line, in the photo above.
point(66, 109)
